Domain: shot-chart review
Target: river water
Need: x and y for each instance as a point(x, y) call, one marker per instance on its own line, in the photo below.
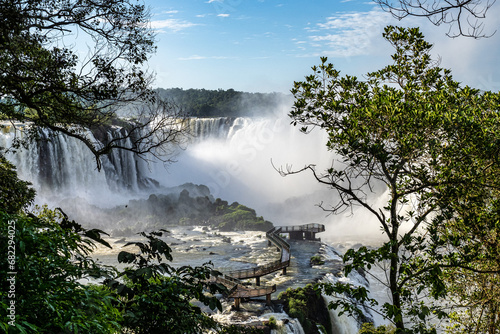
point(236, 159)
point(241, 250)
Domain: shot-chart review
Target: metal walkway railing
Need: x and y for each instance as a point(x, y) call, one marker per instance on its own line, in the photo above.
point(232, 279)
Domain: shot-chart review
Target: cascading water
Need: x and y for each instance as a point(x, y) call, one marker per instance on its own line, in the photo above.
point(59, 166)
point(205, 128)
point(232, 156)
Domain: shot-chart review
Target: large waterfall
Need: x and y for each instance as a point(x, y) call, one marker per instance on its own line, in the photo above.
point(59, 166)
point(234, 157)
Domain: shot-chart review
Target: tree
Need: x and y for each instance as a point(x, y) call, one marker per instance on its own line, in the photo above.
point(48, 265)
point(468, 245)
point(463, 16)
point(46, 82)
point(15, 194)
point(398, 129)
point(48, 258)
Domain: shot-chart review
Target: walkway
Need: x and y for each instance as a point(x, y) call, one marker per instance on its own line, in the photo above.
point(232, 279)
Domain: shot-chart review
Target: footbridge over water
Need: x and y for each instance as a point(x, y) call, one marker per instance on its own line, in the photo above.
point(232, 279)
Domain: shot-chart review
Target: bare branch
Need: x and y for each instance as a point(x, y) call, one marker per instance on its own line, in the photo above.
point(463, 16)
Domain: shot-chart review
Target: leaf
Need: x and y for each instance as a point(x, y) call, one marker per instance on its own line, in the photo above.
point(126, 257)
point(95, 234)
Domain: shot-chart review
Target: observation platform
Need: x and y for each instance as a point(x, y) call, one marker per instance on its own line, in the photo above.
point(303, 232)
point(232, 279)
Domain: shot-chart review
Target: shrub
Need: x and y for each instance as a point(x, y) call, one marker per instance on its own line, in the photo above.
point(52, 257)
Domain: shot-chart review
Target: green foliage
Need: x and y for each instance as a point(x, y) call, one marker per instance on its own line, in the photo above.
point(433, 144)
point(306, 305)
point(60, 91)
point(239, 217)
point(223, 103)
point(317, 260)
point(48, 261)
point(46, 81)
point(193, 206)
point(369, 328)
point(52, 257)
point(15, 194)
point(272, 323)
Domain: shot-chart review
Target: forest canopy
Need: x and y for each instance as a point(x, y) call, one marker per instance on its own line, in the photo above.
point(224, 103)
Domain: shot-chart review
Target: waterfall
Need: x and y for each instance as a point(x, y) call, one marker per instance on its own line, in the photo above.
point(59, 167)
point(232, 156)
point(217, 127)
point(345, 324)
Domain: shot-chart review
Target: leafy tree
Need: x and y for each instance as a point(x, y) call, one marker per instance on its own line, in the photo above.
point(48, 263)
point(45, 80)
point(15, 194)
point(52, 258)
point(468, 244)
point(398, 128)
point(45, 257)
point(463, 17)
point(476, 299)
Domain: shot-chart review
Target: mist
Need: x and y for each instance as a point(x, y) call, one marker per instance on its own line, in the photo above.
point(235, 158)
point(241, 167)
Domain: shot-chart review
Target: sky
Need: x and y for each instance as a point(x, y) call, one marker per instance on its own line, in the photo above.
point(266, 45)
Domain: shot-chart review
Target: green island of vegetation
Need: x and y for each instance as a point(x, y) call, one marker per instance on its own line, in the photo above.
point(176, 208)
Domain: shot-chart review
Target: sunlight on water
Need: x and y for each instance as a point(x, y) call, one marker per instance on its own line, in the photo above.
point(233, 158)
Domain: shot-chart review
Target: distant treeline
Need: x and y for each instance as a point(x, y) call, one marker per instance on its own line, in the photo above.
point(224, 103)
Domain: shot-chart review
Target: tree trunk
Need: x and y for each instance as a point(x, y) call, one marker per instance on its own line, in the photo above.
point(393, 273)
point(393, 284)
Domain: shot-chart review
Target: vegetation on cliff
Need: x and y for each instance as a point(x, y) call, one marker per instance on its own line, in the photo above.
point(308, 307)
point(48, 265)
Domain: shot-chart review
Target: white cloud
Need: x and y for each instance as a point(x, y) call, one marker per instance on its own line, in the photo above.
point(346, 35)
point(223, 15)
point(198, 57)
point(172, 24)
point(193, 57)
point(349, 34)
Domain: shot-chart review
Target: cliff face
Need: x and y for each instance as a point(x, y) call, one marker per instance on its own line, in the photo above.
point(307, 306)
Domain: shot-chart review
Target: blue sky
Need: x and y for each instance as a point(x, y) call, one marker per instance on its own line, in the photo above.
point(266, 45)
